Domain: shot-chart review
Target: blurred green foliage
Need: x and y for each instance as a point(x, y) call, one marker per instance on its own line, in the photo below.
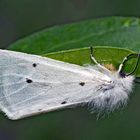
point(20, 18)
point(112, 31)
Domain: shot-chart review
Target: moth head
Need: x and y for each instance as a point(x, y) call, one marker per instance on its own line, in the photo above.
point(113, 95)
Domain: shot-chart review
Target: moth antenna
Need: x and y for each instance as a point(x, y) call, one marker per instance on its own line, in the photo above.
point(124, 61)
point(92, 57)
point(135, 66)
point(95, 61)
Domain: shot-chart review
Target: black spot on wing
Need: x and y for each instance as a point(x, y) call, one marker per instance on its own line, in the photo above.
point(64, 102)
point(28, 80)
point(82, 83)
point(34, 65)
point(39, 109)
point(107, 100)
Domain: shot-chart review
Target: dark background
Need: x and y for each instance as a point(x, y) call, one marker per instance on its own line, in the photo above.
point(19, 18)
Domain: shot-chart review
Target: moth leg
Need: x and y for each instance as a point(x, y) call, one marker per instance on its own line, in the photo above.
point(95, 61)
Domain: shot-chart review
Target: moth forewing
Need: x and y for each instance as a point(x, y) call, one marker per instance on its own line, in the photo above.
point(31, 84)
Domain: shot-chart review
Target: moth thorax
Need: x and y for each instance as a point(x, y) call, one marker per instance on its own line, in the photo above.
point(110, 67)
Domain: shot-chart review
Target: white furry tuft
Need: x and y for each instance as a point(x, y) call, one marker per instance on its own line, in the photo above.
point(110, 96)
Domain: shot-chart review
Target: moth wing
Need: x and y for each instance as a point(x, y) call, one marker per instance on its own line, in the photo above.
point(31, 84)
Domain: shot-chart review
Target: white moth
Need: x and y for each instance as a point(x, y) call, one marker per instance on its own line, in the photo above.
point(31, 84)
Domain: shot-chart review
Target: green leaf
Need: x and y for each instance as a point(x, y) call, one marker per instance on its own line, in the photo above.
point(122, 32)
point(103, 54)
point(114, 31)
